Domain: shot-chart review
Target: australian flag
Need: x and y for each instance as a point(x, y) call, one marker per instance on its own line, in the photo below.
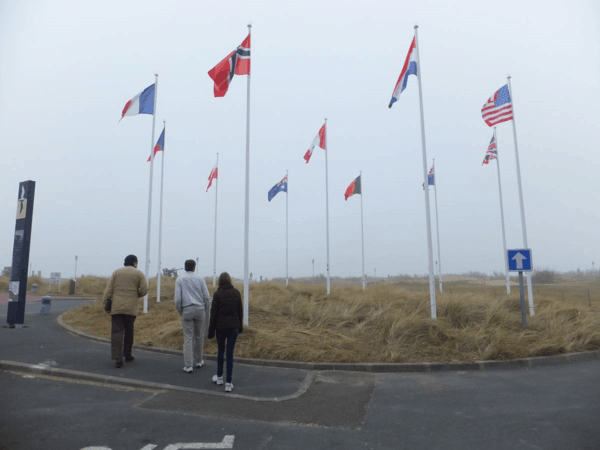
point(236, 63)
point(279, 187)
point(430, 178)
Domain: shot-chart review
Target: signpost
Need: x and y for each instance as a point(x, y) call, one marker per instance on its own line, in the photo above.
point(20, 261)
point(55, 279)
point(519, 260)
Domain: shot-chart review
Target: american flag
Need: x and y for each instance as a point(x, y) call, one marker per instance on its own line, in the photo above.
point(492, 151)
point(498, 108)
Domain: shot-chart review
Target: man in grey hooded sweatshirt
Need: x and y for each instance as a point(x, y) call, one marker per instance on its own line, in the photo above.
point(192, 301)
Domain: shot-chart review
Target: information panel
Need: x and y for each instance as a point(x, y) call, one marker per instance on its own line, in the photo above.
point(17, 288)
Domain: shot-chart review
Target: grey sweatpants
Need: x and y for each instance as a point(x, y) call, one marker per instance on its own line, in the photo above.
point(192, 322)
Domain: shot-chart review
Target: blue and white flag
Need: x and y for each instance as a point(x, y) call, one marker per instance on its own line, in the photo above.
point(279, 187)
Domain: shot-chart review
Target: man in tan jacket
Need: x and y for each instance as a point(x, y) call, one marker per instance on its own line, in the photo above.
point(125, 287)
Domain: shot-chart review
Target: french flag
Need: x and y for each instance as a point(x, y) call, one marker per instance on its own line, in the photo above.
point(160, 145)
point(143, 103)
point(410, 68)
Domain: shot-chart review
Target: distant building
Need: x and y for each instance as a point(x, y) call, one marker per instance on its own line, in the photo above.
point(7, 271)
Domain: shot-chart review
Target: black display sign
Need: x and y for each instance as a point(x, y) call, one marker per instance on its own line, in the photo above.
point(17, 288)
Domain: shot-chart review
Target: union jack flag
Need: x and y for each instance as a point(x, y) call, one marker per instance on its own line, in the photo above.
point(498, 108)
point(492, 151)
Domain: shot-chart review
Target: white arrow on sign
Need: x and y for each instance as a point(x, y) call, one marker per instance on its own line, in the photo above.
point(519, 257)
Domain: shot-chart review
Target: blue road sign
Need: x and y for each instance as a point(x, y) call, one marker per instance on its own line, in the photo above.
point(519, 260)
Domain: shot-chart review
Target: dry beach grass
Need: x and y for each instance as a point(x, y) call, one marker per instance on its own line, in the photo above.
point(385, 323)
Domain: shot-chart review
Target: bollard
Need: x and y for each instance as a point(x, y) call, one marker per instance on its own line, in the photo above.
point(46, 303)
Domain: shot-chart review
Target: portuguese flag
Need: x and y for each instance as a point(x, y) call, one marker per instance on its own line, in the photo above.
point(354, 188)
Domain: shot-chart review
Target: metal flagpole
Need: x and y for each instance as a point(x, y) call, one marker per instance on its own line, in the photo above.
point(437, 222)
point(215, 251)
point(502, 215)
point(426, 183)
point(148, 227)
point(362, 231)
point(523, 227)
point(162, 173)
point(287, 193)
point(247, 215)
point(327, 205)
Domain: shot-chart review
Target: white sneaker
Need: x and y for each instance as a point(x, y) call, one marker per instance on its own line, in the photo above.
point(228, 387)
point(188, 369)
point(218, 380)
point(200, 365)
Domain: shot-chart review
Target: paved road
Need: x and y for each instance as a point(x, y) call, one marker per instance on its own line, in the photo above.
point(553, 407)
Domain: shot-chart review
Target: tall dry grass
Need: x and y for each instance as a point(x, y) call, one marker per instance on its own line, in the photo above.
point(385, 323)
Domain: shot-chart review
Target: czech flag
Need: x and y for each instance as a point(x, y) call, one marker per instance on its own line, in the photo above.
point(160, 145)
point(354, 188)
point(319, 139)
point(410, 68)
point(143, 103)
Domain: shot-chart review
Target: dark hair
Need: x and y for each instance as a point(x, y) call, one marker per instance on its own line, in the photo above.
point(190, 265)
point(130, 260)
point(224, 278)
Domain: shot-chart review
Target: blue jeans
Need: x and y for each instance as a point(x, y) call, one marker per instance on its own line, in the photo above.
point(230, 335)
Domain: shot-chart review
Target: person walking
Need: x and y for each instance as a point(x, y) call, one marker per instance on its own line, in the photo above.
point(191, 301)
point(125, 287)
point(226, 321)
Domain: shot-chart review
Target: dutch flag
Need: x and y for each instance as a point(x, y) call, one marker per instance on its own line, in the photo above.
point(143, 103)
point(410, 68)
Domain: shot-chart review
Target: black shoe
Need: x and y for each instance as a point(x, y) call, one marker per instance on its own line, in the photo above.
point(129, 358)
point(119, 363)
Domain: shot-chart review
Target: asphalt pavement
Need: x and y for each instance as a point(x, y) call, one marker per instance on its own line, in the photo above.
point(60, 390)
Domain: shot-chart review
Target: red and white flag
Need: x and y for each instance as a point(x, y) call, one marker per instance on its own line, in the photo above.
point(236, 63)
point(319, 139)
point(213, 174)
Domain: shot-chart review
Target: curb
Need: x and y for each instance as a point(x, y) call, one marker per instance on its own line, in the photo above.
point(41, 369)
point(522, 363)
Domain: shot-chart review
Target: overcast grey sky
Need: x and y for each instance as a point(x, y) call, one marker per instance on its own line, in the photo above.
point(67, 68)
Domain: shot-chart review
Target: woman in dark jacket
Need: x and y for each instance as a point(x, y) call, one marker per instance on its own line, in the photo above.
point(227, 321)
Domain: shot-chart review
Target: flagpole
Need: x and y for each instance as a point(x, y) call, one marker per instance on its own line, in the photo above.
point(247, 214)
point(162, 173)
point(426, 182)
point(215, 243)
point(437, 222)
point(523, 227)
point(327, 205)
point(287, 193)
point(502, 214)
point(148, 226)
point(362, 231)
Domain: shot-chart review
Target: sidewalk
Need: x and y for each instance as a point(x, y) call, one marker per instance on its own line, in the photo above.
point(43, 346)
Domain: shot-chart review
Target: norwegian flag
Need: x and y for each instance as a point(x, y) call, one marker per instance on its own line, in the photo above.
point(236, 63)
point(498, 108)
point(492, 151)
point(319, 139)
point(214, 174)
